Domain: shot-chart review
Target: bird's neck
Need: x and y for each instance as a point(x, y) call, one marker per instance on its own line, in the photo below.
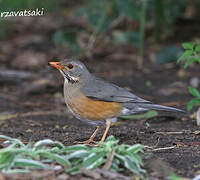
point(71, 89)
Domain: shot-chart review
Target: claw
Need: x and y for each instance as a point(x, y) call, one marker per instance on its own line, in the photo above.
point(87, 142)
point(90, 143)
point(91, 140)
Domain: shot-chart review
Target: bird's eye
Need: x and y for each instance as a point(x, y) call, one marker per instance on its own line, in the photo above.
point(70, 66)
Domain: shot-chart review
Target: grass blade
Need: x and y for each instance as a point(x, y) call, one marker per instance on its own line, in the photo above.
point(92, 160)
point(79, 154)
point(29, 163)
point(75, 148)
point(135, 148)
point(59, 159)
point(43, 143)
point(12, 140)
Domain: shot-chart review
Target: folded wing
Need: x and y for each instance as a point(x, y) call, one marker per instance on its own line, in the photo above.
point(98, 89)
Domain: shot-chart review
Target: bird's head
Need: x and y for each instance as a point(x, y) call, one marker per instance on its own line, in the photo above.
point(72, 70)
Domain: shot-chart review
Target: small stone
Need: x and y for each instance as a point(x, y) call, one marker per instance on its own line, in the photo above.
point(194, 82)
point(29, 131)
point(198, 117)
point(63, 177)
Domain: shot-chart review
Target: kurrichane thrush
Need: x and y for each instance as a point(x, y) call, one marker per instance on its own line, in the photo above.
point(96, 101)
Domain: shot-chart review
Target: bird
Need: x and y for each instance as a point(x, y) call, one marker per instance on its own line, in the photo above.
point(98, 102)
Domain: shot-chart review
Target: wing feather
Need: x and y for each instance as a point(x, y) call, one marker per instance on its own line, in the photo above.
point(101, 90)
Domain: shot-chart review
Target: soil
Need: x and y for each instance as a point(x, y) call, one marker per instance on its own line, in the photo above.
point(53, 121)
point(34, 110)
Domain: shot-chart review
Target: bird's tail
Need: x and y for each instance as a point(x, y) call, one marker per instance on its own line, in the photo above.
point(161, 108)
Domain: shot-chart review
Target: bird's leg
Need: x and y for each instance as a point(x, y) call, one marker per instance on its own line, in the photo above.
point(108, 124)
point(91, 139)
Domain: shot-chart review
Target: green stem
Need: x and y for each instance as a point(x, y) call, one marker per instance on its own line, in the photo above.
point(142, 26)
point(159, 17)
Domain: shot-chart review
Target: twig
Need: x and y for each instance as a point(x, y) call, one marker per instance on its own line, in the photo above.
point(172, 103)
point(92, 174)
point(112, 175)
point(109, 160)
point(164, 148)
point(171, 133)
point(179, 144)
point(158, 140)
point(93, 37)
point(91, 43)
point(179, 132)
point(115, 23)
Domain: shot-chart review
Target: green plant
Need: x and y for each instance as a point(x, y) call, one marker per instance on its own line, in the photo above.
point(191, 55)
point(142, 26)
point(105, 15)
point(67, 39)
point(176, 177)
point(195, 100)
point(146, 115)
point(9, 5)
point(45, 154)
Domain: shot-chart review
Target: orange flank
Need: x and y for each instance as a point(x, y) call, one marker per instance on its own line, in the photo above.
point(94, 109)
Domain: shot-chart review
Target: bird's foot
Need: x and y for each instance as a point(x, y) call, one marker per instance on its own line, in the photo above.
point(90, 142)
point(87, 142)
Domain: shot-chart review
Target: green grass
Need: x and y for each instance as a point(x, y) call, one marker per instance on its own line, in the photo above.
point(18, 157)
point(191, 56)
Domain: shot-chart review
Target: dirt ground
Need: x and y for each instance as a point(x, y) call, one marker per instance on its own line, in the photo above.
point(45, 115)
point(32, 106)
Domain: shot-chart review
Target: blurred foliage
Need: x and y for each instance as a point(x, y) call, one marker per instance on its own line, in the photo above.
point(168, 54)
point(100, 14)
point(96, 9)
point(10, 5)
point(191, 55)
point(131, 37)
point(103, 15)
point(20, 5)
point(67, 39)
point(127, 21)
point(3, 28)
point(176, 177)
point(148, 83)
point(196, 100)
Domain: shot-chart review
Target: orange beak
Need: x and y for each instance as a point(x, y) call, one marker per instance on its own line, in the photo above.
point(56, 65)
